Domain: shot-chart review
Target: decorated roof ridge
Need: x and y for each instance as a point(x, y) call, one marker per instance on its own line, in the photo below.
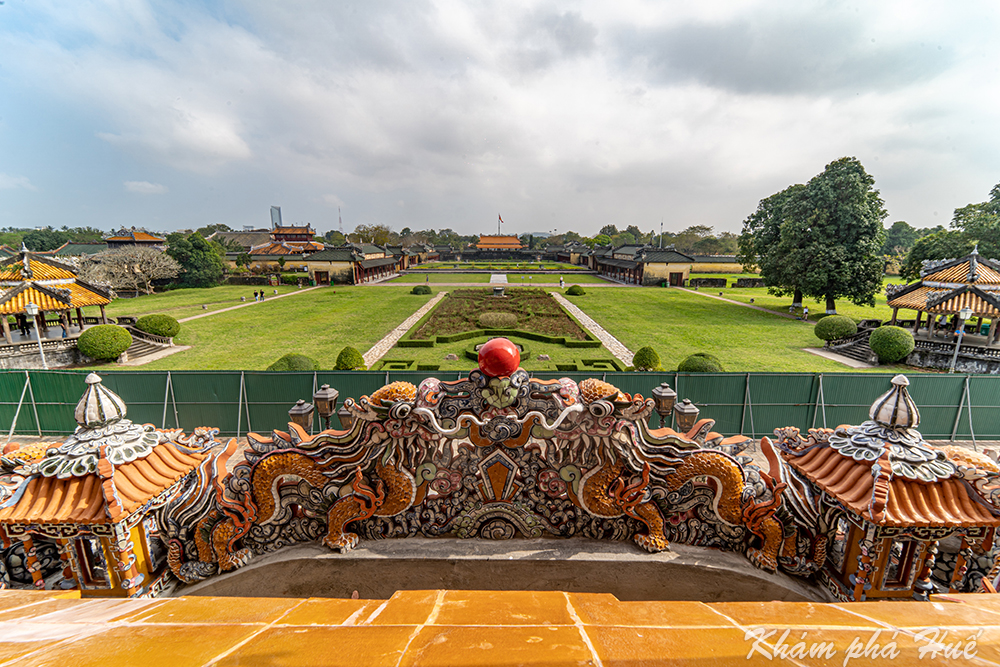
point(931, 266)
point(27, 256)
point(134, 235)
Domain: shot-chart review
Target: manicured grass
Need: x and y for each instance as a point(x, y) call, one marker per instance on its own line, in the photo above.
point(677, 324)
point(319, 324)
point(529, 362)
point(781, 303)
point(442, 278)
point(512, 278)
point(181, 303)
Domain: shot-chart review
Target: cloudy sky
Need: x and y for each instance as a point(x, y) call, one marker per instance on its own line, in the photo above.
point(442, 114)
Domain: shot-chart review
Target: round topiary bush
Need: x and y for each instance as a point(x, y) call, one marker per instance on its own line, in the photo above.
point(159, 325)
point(575, 290)
point(835, 327)
point(350, 359)
point(293, 361)
point(891, 344)
point(701, 362)
point(420, 289)
point(646, 359)
point(104, 341)
point(493, 320)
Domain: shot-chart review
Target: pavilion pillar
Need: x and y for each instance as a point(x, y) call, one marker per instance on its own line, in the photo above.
point(64, 547)
point(79, 318)
point(127, 572)
point(6, 330)
point(916, 324)
point(104, 316)
point(992, 332)
point(31, 563)
point(960, 567)
point(930, 326)
point(40, 323)
point(895, 313)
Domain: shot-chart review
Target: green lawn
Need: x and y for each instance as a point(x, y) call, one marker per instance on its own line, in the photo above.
point(512, 278)
point(183, 303)
point(781, 303)
point(319, 324)
point(677, 324)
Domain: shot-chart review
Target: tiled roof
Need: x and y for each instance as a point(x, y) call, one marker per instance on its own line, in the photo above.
point(960, 273)
point(276, 248)
point(292, 230)
point(332, 255)
point(503, 242)
point(90, 498)
point(383, 261)
point(39, 268)
point(245, 239)
point(140, 236)
point(982, 303)
point(70, 249)
point(914, 297)
point(715, 259)
point(48, 298)
point(909, 503)
point(7, 251)
point(666, 257)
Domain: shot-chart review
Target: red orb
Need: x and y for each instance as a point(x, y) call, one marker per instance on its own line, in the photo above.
point(499, 358)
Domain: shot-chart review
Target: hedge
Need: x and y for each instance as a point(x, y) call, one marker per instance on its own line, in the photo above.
point(701, 362)
point(835, 327)
point(293, 361)
point(158, 325)
point(575, 290)
point(350, 359)
point(646, 359)
point(104, 342)
point(495, 320)
point(891, 344)
point(420, 289)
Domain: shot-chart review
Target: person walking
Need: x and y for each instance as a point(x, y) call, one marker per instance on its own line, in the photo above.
point(805, 313)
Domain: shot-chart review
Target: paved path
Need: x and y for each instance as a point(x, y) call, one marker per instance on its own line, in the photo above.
point(839, 358)
point(379, 349)
point(249, 303)
point(745, 305)
point(609, 341)
point(498, 278)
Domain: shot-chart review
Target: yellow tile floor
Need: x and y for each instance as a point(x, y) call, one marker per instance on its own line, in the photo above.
point(452, 628)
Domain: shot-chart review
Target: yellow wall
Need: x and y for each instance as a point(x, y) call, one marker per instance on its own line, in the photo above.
point(340, 272)
point(654, 274)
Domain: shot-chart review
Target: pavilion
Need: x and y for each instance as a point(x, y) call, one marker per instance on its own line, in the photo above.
point(946, 287)
point(51, 285)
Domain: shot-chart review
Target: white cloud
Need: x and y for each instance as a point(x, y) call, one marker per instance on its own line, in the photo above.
point(11, 182)
point(145, 188)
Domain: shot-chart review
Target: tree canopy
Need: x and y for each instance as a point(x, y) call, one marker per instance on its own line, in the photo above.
point(201, 265)
point(823, 239)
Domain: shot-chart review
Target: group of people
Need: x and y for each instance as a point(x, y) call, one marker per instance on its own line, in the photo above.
point(258, 296)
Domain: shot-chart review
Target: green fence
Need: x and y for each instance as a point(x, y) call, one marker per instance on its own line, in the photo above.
point(951, 406)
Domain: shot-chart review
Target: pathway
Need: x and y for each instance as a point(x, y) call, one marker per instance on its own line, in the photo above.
point(379, 349)
point(249, 303)
point(613, 344)
point(745, 305)
point(498, 278)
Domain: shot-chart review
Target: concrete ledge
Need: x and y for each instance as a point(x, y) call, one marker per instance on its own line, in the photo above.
point(380, 568)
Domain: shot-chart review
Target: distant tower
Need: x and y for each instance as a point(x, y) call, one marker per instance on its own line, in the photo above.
point(340, 221)
point(275, 216)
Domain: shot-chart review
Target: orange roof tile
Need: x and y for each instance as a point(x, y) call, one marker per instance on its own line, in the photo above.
point(137, 236)
point(980, 308)
point(910, 503)
point(504, 242)
point(286, 248)
point(959, 273)
point(83, 499)
point(78, 296)
point(13, 269)
point(917, 299)
point(292, 230)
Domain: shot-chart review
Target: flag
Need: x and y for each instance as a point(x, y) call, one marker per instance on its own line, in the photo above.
point(499, 218)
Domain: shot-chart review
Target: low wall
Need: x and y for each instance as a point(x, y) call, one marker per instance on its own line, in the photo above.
point(749, 282)
point(942, 360)
point(66, 354)
point(707, 282)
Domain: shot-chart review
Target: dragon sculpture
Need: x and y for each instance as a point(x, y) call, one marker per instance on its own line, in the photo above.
point(485, 456)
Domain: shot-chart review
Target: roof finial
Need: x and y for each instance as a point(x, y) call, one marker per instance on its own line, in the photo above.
point(895, 408)
point(98, 406)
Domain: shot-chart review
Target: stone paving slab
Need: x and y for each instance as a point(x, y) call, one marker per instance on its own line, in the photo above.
point(462, 627)
point(379, 349)
point(616, 347)
point(498, 279)
point(839, 358)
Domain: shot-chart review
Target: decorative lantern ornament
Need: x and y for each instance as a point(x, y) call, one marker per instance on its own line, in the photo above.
point(301, 414)
point(499, 357)
point(665, 398)
point(687, 415)
point(325, 399)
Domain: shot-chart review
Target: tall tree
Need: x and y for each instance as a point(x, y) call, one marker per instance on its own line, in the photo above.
point(900, 236)
point(45, 239)
point(609, 230)
point(947, 244)
point(201, 265)
point(761, 245)
point(835, 234)
point(129, 268)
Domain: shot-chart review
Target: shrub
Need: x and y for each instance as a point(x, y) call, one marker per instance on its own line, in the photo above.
point(835, 327)
point(492, 320)
point(575, 290)
point(701, 362)
point(646, 359)
point(159, 325)
point(420, 289)
point(293, 361)
point(350, 359)
point(104, 341)
point(891, 344)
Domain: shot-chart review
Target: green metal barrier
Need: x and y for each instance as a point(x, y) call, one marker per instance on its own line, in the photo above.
point(951, 406)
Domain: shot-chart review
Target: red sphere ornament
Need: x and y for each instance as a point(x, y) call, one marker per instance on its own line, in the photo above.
point(499, 358)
